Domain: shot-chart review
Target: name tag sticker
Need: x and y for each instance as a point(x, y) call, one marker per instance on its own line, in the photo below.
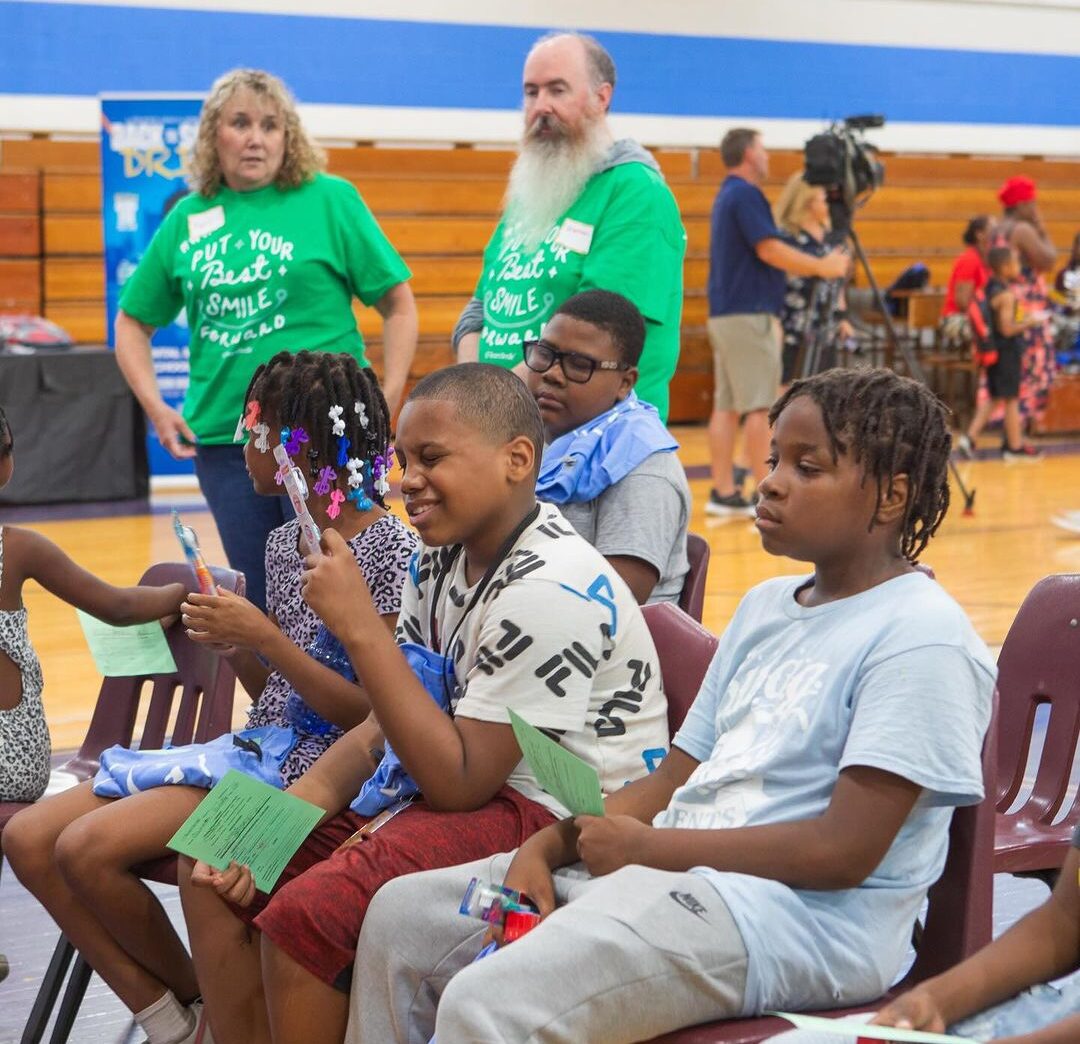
point(205, 222)
point(575, 235)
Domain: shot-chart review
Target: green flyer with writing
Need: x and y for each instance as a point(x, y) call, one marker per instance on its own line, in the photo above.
point(563, 775)
point(250, 822)
point(121, 652)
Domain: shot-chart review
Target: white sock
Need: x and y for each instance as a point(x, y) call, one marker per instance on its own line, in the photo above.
point(166, 1021)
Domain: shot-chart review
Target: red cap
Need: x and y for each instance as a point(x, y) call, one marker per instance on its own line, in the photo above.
point(1016, 190)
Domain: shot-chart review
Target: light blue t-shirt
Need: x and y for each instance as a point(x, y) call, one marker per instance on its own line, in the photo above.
point(894, 678)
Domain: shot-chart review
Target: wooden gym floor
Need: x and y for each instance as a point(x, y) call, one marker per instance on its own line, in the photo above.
point(988, 562)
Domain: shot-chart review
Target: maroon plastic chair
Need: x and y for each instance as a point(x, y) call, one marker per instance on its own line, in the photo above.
point(692, 596)
point(685, 649)
point(1039, 665)
point(958, 917)
point(201, 690)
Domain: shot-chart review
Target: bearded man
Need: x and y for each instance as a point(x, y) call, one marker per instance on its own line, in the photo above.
point(583, 211)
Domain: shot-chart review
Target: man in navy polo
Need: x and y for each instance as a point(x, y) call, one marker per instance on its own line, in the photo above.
point(747, 262)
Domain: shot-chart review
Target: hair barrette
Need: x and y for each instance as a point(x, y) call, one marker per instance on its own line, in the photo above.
point(295, 439)
point(337, 498)
point(251, 417)
point(327, 477)
point(361, 412)
point(262, 431)
point(336, 420)
point(382, 485)
point(360, 499)
point(343, 450)
point(356, 472)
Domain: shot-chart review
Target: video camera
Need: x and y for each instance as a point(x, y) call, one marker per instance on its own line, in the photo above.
point(843, 161)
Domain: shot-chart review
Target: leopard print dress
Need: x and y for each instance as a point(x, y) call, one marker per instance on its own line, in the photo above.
point(25, 748)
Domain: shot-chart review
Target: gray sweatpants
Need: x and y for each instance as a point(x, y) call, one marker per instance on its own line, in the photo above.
point(625, 957)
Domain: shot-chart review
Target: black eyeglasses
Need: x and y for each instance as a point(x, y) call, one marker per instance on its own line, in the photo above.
point(541, 356)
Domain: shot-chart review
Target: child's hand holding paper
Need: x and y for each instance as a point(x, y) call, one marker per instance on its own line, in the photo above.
point(235, 884)
point(246, 827)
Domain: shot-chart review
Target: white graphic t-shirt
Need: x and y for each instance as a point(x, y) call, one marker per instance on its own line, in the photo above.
point(556, 635)
point(894, 678)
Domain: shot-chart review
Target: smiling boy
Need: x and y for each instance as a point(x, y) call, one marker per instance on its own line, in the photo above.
point(527, 615)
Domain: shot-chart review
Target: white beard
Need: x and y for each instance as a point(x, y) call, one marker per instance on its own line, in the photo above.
point(547, 177)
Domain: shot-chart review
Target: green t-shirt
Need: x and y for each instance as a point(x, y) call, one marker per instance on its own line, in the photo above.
point(258, 273)
point(623, 233)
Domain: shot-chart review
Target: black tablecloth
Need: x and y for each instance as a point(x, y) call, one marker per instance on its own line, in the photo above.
point(79, 433)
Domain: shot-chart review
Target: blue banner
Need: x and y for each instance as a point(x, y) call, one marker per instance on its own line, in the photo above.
point(144, 148)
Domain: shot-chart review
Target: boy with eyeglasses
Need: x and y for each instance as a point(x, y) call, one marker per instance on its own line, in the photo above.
point(609, 463)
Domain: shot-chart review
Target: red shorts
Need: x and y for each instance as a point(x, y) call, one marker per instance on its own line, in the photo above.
point(316, 914)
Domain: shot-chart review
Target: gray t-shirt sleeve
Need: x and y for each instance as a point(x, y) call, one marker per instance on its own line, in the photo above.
point(645, 516)
point(470, 321)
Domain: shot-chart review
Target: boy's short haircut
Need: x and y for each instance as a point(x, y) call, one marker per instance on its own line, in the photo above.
point(616, 315)
point(891, 425)
point(489, 398)
point(998, 257)
point(734, 144)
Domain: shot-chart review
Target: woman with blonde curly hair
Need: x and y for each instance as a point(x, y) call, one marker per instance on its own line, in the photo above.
point(802, 213)
point(266, 254)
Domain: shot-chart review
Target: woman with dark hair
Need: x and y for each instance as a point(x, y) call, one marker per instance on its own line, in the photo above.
point(969, 275)
point(266, 254)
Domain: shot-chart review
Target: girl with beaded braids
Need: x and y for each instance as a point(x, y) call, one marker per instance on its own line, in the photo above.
point(76, 851)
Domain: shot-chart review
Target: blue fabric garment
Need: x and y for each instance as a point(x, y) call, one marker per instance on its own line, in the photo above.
point(740, 283)
point(391, 782)
point(255, 752)
point(581, 464)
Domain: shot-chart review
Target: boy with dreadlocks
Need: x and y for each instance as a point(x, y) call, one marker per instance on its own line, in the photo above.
point(778, 856)
point(76, 851)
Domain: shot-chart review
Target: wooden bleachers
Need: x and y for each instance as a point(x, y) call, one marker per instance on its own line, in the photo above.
point(438, 206)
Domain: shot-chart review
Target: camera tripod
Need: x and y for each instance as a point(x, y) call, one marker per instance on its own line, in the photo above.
point(819, 333)
point(914, 368)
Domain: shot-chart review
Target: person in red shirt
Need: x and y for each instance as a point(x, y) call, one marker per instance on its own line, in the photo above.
point(969, 275)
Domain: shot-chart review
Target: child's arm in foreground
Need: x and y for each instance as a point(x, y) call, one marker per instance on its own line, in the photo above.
point(1042, 946)
point(459, 764)
point(228, 619)
point(33, 557)
point(838, 849)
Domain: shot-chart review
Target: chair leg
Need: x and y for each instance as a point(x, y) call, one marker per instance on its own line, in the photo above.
point(48, 991)
point(73, 998)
